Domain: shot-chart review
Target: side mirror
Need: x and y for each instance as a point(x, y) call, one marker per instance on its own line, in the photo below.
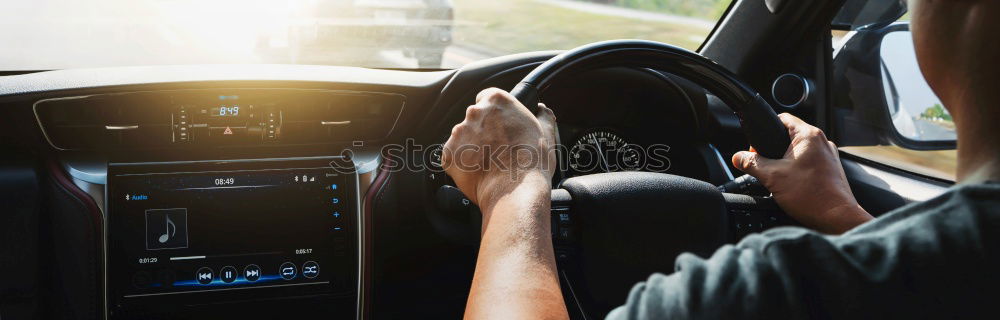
point(881, 95)
point(916, 112)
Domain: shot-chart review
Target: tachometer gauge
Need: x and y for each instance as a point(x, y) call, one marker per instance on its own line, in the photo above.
point(603, 151)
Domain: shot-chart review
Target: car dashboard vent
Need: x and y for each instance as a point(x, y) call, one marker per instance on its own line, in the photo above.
point(217, 118)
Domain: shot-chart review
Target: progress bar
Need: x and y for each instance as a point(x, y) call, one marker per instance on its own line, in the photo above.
point(224, 289)
point(186, 258)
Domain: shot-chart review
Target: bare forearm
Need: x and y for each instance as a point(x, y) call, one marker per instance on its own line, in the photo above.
point(516, 272)
point(842, 218)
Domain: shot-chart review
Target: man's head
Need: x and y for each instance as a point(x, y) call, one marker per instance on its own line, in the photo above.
point(959, 54)
point(958, 50)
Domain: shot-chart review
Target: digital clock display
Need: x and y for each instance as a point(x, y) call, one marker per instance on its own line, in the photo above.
point(226, 111)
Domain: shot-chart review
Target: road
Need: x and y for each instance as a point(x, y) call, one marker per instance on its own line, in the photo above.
point(927, 130)
point(57, 34)
point(455, 56)
point(630, 13)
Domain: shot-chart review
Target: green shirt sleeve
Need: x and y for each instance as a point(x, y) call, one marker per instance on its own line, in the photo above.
point(929, 260)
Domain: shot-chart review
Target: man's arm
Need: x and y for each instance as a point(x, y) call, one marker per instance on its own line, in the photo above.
point(502, 157)
point(516, 270)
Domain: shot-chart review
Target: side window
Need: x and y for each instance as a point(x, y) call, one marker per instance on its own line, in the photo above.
point(883, 110)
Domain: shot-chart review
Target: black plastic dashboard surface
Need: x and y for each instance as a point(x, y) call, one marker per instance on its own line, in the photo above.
point(434, 102)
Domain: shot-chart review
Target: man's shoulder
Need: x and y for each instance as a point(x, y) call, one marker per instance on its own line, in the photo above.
point(981, 198)
point(941, 245)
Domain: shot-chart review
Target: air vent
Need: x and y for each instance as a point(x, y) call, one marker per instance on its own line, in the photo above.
point(104, 121)
point(342, 117)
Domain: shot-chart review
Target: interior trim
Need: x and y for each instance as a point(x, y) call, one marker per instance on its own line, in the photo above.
point(909, 188)
point(364, 281)
point(572, 292)
point(363, 257)
point(100, 224)
point(721, 162)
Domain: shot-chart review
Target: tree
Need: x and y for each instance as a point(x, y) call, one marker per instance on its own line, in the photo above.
point(936, 112)
point(710, 9)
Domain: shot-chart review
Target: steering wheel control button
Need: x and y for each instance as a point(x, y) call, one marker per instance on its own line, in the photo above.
point(310, 269)
point(562, 216)
point(562, 255)
point(565, 234)
point(204, 275)
point(251, 272)
point(287, 271)
point(228, 274)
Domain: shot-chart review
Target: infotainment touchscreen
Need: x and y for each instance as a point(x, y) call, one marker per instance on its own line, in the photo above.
point(205, 232)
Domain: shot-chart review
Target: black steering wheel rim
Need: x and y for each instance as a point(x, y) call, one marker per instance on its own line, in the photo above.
point(760, 123)
point(631, 224)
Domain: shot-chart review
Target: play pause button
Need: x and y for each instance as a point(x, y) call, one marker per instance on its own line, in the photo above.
point(228, 274)
point(251, 272)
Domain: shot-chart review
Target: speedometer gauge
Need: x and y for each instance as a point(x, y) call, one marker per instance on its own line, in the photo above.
point(602, 151)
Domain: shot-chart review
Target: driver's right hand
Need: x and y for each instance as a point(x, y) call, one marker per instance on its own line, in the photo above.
point(808, 182)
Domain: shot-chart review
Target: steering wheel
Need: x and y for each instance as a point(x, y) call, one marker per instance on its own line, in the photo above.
point(637, 222)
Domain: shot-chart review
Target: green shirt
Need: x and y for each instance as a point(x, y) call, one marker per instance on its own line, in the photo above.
point(936, 259)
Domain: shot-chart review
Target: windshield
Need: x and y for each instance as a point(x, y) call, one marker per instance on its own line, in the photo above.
point(58, 34)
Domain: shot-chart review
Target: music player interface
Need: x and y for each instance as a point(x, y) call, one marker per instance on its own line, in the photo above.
point(191, 231)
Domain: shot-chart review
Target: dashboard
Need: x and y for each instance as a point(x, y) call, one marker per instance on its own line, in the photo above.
point(266, 191)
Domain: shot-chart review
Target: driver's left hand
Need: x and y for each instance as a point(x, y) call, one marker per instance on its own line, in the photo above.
point(499, 146)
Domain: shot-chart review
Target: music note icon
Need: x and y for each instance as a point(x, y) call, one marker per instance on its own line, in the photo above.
point(166, 233)
point(166, 229)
